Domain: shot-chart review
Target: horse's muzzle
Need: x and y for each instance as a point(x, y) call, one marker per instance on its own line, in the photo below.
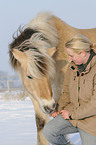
point(49, 109)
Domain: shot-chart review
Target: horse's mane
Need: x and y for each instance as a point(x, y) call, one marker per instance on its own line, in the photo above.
point(38, 36)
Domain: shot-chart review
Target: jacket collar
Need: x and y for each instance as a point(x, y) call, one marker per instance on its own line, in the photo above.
point(74, 68)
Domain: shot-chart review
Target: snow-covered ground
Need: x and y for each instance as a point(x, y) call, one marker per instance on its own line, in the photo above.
point(17, 121)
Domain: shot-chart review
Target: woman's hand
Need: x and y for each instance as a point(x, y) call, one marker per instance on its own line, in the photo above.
point(54, 114)
point(65, 114)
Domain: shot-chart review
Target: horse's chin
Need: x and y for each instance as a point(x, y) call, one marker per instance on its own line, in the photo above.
point(48, 112)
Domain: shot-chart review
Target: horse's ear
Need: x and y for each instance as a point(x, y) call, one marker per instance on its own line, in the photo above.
point(20, 56)
point(52, 50)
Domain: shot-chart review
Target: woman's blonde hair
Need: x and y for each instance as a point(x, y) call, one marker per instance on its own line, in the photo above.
point(79, 43)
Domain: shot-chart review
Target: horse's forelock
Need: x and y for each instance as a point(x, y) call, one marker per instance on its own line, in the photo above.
point(39, 60)
point(37, 38)
point(39, 64)
point(17, 41)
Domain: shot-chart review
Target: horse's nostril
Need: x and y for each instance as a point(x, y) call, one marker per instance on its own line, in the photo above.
point(46, 108)
point(54, 105)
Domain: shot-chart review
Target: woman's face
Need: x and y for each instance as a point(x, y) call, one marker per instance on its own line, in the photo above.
point(76, 58)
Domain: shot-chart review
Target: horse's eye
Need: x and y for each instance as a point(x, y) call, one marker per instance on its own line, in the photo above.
point(29, 77)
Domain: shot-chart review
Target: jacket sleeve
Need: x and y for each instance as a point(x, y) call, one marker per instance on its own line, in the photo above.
point(89, 109)
point(64, 99)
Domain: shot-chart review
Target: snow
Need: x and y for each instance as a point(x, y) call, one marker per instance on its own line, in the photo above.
point(17, 120)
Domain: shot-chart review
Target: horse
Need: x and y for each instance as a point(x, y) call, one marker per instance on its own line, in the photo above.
point(38, 54)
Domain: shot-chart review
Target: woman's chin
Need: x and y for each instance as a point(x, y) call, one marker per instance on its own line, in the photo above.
point(77, 63)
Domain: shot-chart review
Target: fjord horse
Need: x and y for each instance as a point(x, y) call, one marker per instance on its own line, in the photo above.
point(39, 55)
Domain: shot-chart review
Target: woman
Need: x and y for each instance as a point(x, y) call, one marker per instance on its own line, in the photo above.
point(77, 104)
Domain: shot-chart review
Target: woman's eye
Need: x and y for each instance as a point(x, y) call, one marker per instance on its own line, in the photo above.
point(29, 77)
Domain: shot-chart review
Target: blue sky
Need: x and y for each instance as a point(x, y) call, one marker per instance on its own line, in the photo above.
point(77, 13)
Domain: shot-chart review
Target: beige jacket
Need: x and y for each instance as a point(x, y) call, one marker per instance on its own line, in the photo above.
point(79, 97)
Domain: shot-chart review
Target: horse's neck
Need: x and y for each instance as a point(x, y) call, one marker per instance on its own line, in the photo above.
point(65, 32)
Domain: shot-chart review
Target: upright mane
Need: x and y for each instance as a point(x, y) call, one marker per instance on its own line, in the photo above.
point(37, 37)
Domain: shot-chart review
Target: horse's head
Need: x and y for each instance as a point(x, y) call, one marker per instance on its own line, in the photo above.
point(31, 54)
point(36, 76)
